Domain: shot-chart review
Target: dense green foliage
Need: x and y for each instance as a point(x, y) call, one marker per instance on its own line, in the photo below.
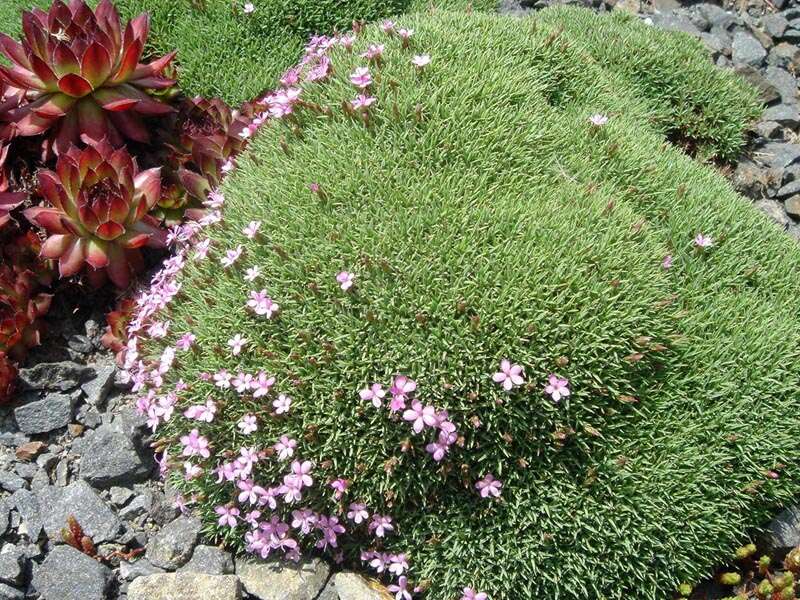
point(225, 53)
point(485, 218)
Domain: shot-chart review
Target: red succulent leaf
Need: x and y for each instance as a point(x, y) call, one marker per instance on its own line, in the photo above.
point(96, 64)
point(74, 85)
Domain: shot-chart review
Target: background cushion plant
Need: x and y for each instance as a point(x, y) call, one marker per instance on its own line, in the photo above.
point(478, 212)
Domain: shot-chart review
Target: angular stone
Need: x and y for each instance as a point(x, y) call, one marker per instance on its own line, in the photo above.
point(29, 450)
point(172, 547)
point(40, 416)
point(716, 44)
point(767, 91)
point(784, 55)
point(12, 565)
point(140, 505)
point(62, 376)
point(11, 482)
point(715, 16)
point(139, 568)
point(779, 154)
point(790, 189)
point(750, 180)
point(784, 82)
point(792, 206)
point(783, 114)
point(783, 533)
point(350, 586)
point(29, 509)
point(774, 24)
point(774, 210)
point(67, 574)
point(747, 49)
point(97, 389)
point(109, 458)
point(120, 496)
point(10, 593)
point(210, 560)
point(675, 22)
point(80, 500)
point(185, 586)
point(273, 580)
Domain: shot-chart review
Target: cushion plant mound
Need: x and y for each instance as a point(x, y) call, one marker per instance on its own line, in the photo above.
point(472, 214)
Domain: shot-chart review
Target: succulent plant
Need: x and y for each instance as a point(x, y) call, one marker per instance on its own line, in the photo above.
point(98, 214)
point(82, 75)
point(8, 202)
point(20, 309)
point(8, 377)
point(115, 335)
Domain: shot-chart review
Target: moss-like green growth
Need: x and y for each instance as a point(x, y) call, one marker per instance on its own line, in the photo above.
point(484, 218)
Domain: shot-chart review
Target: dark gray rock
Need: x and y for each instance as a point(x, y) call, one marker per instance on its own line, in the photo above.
point(88, 416)
point(11, 482)
point(784, 55)
point(790, 189)
point(140, 568)
point(172, 547)
point(779, 155)
point(109, 458)
point(67, 574)
point(139, 506)
point(774, 24)
point(28, 507)
point(715, 43)
point(783, 533)
point(774, 210)
point(211, 560)
point(715, 16)
point(12, 565)
point(62, 376)
point(120, 496)
point(675, 22)
point(40, 416)
point(766, 89)
point(80, 344)
point(5, 514)
point(783, 114)
point(784, 82)
point(97, 389)
point(81, 501)
point(747, 50)
point(10, 593)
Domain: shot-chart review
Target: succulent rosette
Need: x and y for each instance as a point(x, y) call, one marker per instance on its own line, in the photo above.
point(20, 310)
point(8, 377)
point(98, 213)
point(82, 75)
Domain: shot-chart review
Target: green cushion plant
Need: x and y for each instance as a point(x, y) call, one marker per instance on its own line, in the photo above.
point(515, 198)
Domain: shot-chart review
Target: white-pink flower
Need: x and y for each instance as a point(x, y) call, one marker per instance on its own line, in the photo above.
point(557, 387)
point(702, 241)
point(261, 304)
point(285, 447)
point(363, 102)
point(231, 256)
point(251, 231)
point(375, 394)
point(420, 416)
point(345, 280)
point(470, 594)
point(489, 486)
point(252, 273)
point(509, 375)
point(421, 61)
point(248, 424)
point(227, 516)
point(236, 343)
point(361, 78)
point(282, 404)
point(248, 8)
point(598, 120)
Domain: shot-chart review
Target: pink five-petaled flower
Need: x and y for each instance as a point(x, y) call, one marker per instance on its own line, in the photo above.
point(421, 416)
point(330, 528)
point(667, 262)
point(248, 424)
point(345, 280)
point(231, 256)
point(363, 102)
point(375, 394)
point(557, 387)
point(285, 447)
point(282, 404)
point(387, 26)
point(441, 446)
point(470, 594)
point(186, 341)
point(227, 516)
point(361, 78)
point(300, 472)
point(261, 384)
point(251, 231)
point(357, 513)
point(399, 564)
point(380, 525)
point(248, 8)
point(405, 34)
point(421, 61)
point(400, 589)
point(402, 386)
point(249, 491)
point(509, 375)
point(304, 520)
point(222, 379)
point(261, 304)
point(236, 343)
point(242, 382)
point(195, 444)
point(598, 120)
point(374, 52)
point(202, 412)
point(339, 488)
point(252, 273)
point(702, 241)
point(489, 486)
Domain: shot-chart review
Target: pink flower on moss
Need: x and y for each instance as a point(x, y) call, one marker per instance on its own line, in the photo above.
point(598, 120)
point(222, 379)
point(251, 231)
point(388, 26)
point(249, 8)
point(421, 61)
point(363, 102)
point(439, 449)
point(361, 78)
point(236, 343)
point(557, 387)
point(228, 516)
point(202, 412)
point(405, 34)
point(301, 472)
point(282, 404)
point(330, 529)
point(242, 382)
point(195, 444)
point(339, 488)
point(186, 341)
point(285, 447)
point(261, 384)
point(470, 594)
point(374, 52)
point(345, 280)
point(702, 241)
point(420, 416)
point(489, 486)
point(398, 564)
point(304, 520)
point(380, 525)
point(357, 513)
point(190, 471)
point(667, 262)
point(509, 375)
point(375, 394)
point(252, 273)
point(248, 424)
point(261, 304)
point(400, 589)
point(231, 256)
point(401, 388)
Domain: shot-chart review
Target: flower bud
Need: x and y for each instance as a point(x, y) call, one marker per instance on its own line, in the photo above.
point(745, 551)
point(730, 579)
point(685, 590)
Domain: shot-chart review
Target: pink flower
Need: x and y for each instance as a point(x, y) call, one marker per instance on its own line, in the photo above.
point(251, 231)
point(261, 304)
point(441, 446)
point(345, 280)
point(252, 518)
point(249, 491)
point(231, 256)
point(201, 249)
point(598, 120)
point(227, 516)
point(248, 424)
point(421, 61)
point(215, 200)
point(405, 34)
point(330, 528)
point(667, 262)
point(301, 473)
point(242, 382)
point(470, 594)
point(236, 343)
point(249, 8)
point(489, 486)
point(347, 41)
point(375, 393)
point(261, 384)
point(252, 273)
point(402, 386)
point(387, 26)
point(186, 341)
point(358, 513)
point(202, 412)
point(339, 488)
point(304, 520)
point(282, 404)
point(509, 375)
point(399, 564)
point(190, 471)
point(158, 330)
point(361, 78)
point(557, 387)
point(374, 52)
point(400, 589)
point(380, 525)
point(290, 78)
point(362, 101)
point(222, 379)
point(421, 416)
point(702, 241)
point(285, 447)
point(195, 444)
